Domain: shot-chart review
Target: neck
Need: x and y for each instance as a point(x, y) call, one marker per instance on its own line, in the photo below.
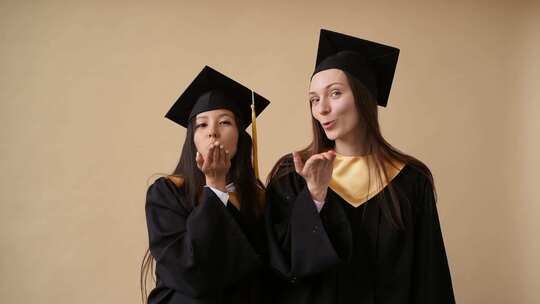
point(352, 144)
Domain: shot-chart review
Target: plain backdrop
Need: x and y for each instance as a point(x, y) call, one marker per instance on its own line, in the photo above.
point(84, 86)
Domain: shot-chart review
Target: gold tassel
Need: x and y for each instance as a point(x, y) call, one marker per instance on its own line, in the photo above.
point(254, 135)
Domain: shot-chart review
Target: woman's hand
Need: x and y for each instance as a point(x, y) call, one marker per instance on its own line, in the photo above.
point(317, 171)
point(215, 165)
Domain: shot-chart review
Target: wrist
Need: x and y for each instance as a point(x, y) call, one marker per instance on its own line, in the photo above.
point(318, 194)
point(218, 183)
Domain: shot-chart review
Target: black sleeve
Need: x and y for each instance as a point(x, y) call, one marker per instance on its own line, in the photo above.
point(431, 279)
point(198, 251)
point(299, 242)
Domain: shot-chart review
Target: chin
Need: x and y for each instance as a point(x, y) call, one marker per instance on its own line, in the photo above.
point(331, 135)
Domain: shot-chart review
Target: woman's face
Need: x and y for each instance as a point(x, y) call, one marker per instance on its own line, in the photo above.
point(215, 126)
point(332, 104)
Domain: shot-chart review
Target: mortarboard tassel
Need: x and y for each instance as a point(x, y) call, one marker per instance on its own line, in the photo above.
point(254, 136)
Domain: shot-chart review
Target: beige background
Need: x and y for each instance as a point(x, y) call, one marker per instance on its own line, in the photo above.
point(84, 87)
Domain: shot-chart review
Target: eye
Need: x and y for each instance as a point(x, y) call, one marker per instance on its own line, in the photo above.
point(225, 122)
point(313, 100)
point(335, 93)
point(201, 125)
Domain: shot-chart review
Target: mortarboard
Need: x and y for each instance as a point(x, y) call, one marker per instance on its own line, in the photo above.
point(212, 90)
point(371, 63)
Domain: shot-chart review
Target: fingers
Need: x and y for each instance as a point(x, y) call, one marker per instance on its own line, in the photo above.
point(216, 155)
point(329, 155)
point(217, 158)
point(313, 161)
point(219, 152)
point(222, 157)
point(227, 158)
point(319, 161)
point(317, 172)
point(329, 162)
point(298, 164)
point(199, 159)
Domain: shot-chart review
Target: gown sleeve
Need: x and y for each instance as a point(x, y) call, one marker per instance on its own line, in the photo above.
point(431, 276)
point(300, 239)
point(199, 251)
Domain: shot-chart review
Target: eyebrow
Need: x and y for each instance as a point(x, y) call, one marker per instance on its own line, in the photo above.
point(326, 87)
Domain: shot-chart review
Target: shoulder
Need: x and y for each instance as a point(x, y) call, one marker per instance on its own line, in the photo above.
point(283, 169)
point(414, 172)
point(168, 181)
point(284, 164)
point(284, 178)
point(165, 188)
point(418, 180)
point(177, 180)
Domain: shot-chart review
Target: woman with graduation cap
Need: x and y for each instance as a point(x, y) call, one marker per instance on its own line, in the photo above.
point(350, 219)
point(205, 224)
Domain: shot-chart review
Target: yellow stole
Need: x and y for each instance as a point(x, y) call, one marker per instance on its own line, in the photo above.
point(353, 181)
point(233, 198)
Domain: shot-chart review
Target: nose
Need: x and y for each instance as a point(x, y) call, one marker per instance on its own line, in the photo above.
point(323, 107)
point(213, 131)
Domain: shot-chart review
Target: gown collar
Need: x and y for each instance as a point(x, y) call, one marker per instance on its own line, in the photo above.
point(354, 178)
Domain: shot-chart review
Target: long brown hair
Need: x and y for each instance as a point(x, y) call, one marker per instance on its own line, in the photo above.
point(382, 152)
point(241, 173)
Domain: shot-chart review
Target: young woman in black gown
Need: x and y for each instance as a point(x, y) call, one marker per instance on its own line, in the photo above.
point(205, 225)
point(351, 219)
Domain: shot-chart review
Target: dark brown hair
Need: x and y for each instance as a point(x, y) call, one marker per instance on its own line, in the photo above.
point(383, 153)
point(241, 173)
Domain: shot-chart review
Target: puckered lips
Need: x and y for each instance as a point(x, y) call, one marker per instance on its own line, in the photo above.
point(328, 124)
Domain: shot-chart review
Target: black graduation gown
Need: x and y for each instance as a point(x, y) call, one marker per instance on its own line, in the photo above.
point(354, 255)
point(204, 255)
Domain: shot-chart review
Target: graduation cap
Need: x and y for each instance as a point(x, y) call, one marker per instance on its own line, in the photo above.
point(371, 63)
point(211, 90)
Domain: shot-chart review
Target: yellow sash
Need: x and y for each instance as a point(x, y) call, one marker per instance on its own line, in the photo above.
point(233, 198)
point(353, 181)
